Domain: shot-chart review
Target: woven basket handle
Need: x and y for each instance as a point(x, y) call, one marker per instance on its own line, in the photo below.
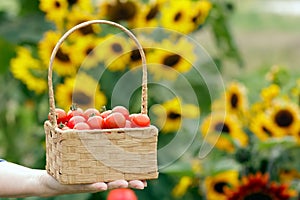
point(144, 102)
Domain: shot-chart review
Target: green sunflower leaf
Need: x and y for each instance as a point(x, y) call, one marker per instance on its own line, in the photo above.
point(26, 30)
point(179, 169)
point(221, 165)
point(285, 142)
point(5, 56)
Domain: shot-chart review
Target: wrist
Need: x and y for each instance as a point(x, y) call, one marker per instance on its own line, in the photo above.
point(45, 184)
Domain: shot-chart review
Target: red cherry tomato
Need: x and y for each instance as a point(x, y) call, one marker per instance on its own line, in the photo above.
point(95, 122)
point(91, 112)
point(104, 114)
point(121, 194)
point(115, 120)
point(128, 124)
point(122, 110)
point(61, 116)
point(74, 112)
point(82, 126)
point(75, 120)
point(141, 120)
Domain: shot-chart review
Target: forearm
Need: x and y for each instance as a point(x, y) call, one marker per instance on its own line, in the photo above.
point(18, 181)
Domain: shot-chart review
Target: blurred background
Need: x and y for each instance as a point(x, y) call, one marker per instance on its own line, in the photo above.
point(243, 109)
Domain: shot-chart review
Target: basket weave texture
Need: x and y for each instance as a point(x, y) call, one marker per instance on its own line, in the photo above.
point(88, 156)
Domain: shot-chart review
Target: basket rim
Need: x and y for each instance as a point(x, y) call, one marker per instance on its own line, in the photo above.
point(144, 97)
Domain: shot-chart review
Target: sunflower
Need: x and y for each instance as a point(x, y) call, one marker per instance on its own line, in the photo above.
point(176, 16)
point(285, 116)
point(236, 98)
point(222, 129)
point(118, 10)
point(76, 17)
point(269, 93)
point(147, 16)
point(200, 12)
point(216, 186)
point(261, 125)
point(29, 70)
point(170, 113)
point(86, 95)
point(56, 11)
point(181, 188)
point(135, 59)
point(86, 52)
point(259, 187)
point(288, 175)
point(82, 5)
point(171, 58)
point(63, 64)
point(114, 52)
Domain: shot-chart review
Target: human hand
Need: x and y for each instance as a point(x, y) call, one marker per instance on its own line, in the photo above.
point(52, 187)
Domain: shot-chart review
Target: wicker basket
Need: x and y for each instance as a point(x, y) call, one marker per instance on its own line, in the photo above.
point(87, 156)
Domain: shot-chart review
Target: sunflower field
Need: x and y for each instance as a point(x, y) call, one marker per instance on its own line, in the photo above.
point(224, 133)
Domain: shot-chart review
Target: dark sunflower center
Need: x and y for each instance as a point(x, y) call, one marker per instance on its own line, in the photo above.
point(177, 16)
point(152, 13)
point(284, 118)
point(116, 47)
point(60, 55)
point(221, 127)
point(89, 51)
point(57, 4)
point(234, 100)
point(196, 17)
point(81, 98)
point(171, 60)
point(86, 30)
point(135, 55)
point(173, 115)
point(219, 187)
point(72, 2)
point(266, 130)
point(258, 196)
point(122, 11)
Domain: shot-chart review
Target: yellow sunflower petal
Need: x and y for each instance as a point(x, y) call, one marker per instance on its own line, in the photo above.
point(29, 70)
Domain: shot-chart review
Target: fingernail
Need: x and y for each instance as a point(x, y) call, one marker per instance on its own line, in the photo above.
point(137, 186)
point(101, 186)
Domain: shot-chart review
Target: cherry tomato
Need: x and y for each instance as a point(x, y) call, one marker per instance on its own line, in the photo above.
point(122, 110)
point(95, 122)
point(75, 120)
point(91, 112)
point(74, 112)
point(141, 120)
point(122, 194)
point(115, 120)
point(82, 126)
point(128, 124)
point(61, 116)
point(104, 114)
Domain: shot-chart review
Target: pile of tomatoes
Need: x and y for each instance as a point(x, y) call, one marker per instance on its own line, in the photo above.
point(91, 118)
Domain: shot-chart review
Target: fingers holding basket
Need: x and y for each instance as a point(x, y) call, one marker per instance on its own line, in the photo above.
point(135, 184)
